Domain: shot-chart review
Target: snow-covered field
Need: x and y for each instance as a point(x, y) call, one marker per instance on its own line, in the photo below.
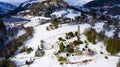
point(51, 38)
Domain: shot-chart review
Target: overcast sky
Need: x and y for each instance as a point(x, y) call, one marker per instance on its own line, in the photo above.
point(13, 1)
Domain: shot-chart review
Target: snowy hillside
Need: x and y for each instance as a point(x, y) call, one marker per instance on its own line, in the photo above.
point(59, 33)
point(50, 39)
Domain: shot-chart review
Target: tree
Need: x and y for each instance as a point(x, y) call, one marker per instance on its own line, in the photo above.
point(71, 34)
point(55, 23)
point(118, 64)
point(61, 47)
point(91, 35)
point(61, 59)
point(69, 49)
point(7, 63)
point(113, 46)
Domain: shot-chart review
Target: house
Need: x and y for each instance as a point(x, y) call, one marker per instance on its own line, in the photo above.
point(39, 52)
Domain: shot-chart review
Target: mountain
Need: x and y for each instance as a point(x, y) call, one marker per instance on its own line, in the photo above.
point(108, 7)
point(98, 3)
point(6, 7)
point(13, 1)
point(24, 6)
point(34, 6)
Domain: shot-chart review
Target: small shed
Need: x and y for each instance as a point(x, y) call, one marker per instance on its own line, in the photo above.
point(39, 52)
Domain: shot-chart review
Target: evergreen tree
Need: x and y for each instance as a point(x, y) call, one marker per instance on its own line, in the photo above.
point(61, 47)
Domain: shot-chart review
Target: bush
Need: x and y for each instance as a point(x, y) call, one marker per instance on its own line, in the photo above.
point(61, 47)
point(80, 42)
point(69, 35)
point(83, 49)
point(76, 33)
point(12, 51)
point(7, 63)
point(61, 39)
point(29, 50)
point(61, 59)
point(27, 62)
point(76, 43)
point(106, 57)
point(25, 49)
point(69, 49)
point(67, 54)
point(47, 28)
point(118, 64)
point(86, 46)
point(101, 53)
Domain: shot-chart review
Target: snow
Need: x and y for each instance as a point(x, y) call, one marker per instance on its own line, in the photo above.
point(21, 32)
point(36, 20)
point(101, 62)
point(51, 38)
point(109, 33)
point(77, 2)
point(47, 61)
point(99, 26)
point(59, 13)
point(31, 2)
point(69, 13)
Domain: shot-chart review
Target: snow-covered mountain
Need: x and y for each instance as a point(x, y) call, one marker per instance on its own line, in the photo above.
point(13, 1)
point(36, 5)
point(6, 7)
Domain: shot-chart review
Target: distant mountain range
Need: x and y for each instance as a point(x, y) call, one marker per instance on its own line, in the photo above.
point(26, 3)
point(36, 5)
point(98, 3)
point(6, 7)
